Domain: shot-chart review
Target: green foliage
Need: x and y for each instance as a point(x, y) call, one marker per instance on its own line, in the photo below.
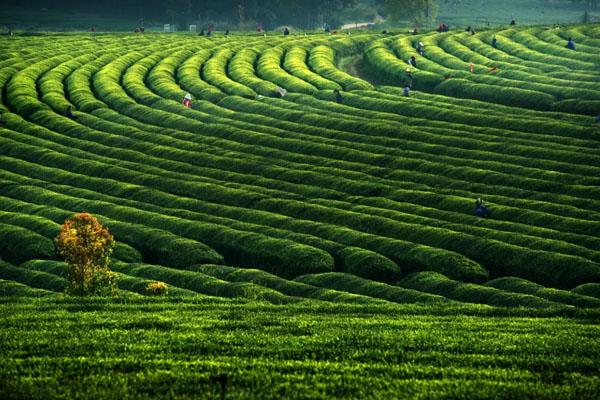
point(354, 284)
point(10, 288)
point(419, 11)
point(203, 283)
point(588, 289)
point(519, 285)
point(257, 344)
point(369, 265)
point(287, 287)
point(433, 282)
point(18, 244)
point(376, 186)
point(35, 279)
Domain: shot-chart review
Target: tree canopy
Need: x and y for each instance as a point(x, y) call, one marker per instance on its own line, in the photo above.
point(267, 13)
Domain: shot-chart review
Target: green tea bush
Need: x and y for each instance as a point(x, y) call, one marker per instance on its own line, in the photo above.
point(35, 279)
point(588, 289)
point(268, 67)
point(353, 284)
point(215, 72)
point(322, 61)
point(296, 63)
point(9, 288)
point(369, 265)
point(519, 285)
point(125, 282)
point(18, 244)
point(433, 282)
point(203, 283)
point(287, 287)
point(241, 69)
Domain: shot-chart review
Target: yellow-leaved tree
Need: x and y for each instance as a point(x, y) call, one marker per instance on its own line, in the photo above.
point(86, 246)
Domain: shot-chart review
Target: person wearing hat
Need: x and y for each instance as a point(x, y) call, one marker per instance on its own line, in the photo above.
point(187, 100)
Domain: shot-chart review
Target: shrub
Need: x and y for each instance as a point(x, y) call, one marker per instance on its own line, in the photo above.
point(15, 289)
point(368, 264)
point(86, 246)
point(588, 289)
point(287, 287)
point(433, 282)
point(353, 284)
point(18, 244)
point(519, 285)
point(156, 288)
point(34, 279)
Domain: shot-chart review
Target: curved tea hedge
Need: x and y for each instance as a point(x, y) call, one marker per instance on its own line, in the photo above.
point(248, 189)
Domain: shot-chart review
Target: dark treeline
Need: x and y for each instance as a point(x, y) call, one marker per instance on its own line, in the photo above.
point(244, 13)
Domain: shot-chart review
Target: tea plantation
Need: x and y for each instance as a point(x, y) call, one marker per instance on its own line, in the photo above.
point(313, 246)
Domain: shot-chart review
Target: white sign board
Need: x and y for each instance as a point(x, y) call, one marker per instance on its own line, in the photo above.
point(167, 27)
point(192, 28)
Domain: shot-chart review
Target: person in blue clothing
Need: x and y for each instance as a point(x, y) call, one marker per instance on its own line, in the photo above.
point(495, 42)
point(406, 91)
point(570, 44)
point(69, 113)
point(338, 96)
point(481, 210)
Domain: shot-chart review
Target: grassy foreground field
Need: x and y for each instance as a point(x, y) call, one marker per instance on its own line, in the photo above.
point(312, 248)
point(61, 348)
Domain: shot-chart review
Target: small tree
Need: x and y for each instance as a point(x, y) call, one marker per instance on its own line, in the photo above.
point(156, 288)
point(86, 246)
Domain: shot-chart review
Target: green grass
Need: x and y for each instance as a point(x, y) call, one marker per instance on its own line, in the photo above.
point(159, 349)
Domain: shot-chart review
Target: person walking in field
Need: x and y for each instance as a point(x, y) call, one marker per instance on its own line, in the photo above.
point(69, 113)
point(338, 96)
point(495, 42)
point(472, 67)
point(413, 61)
point(406, 91)
point(286, 31)
point(570, 44)
point(281, 92)
point(187, 100)
point(481, 210)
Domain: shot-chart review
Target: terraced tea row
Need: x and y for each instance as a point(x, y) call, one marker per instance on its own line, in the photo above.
point(253, 284)
point(528, 67)
point(379, 186)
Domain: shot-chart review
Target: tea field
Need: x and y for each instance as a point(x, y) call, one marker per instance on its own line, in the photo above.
point(144, 348)
point(313, 247)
